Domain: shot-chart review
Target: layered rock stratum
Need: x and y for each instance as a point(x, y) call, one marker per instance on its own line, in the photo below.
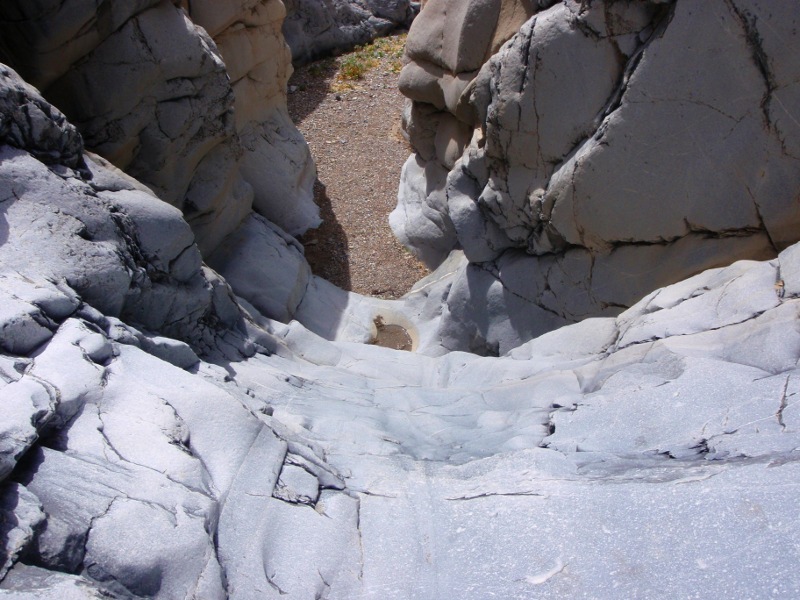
point(168, 431)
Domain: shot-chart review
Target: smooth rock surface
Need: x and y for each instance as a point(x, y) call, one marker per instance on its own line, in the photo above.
point(265, 266)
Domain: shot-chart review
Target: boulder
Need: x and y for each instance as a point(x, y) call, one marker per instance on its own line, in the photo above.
point(120, 250)
point(265, 266)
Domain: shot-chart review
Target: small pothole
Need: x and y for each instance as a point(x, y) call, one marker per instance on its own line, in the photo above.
point(391, 336)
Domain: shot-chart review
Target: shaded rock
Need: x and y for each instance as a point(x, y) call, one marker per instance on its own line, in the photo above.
point(24, 327)
point(20, 517)
point(152, 94)
point(113, 246)
point(106, 264)
point(169, 350)
point(28, 406)
point(316, 29)
point(31, 123)
point(265, 266)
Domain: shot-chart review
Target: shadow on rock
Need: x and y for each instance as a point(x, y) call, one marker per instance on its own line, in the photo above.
point(3, 225)
point(308, 87)
point(327, 248)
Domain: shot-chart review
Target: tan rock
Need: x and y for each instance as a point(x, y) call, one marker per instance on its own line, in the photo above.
point(276, 161)
point(461, 35)
point(450, 42)
point(204, 126)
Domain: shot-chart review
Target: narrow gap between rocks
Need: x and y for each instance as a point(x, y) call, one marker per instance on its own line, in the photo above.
point(349, 110)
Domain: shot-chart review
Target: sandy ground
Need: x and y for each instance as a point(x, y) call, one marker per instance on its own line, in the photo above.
point(353, 130)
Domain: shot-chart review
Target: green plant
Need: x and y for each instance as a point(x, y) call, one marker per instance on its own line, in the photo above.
point(354, 66)
point(386, 52)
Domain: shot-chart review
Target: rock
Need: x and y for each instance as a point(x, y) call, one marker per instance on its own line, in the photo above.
point(24, 327)
point(165, 558)
point(116, 273)
point(446, 47)
point(296, 485)
point(266, 267)
point(28, 406)
point(25, 582)
point(172, 351)
point(461, 36)
point(173, 116)
point(421, 222)
point(196, 130)
point(124, 252)
point(276, 161)
point(20, 517)
point(568, 166)
point(788, 281)
point(160, 437)
point(31, 123)
point(316, 29)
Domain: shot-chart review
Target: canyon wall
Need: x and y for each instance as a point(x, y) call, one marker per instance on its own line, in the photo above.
point(608, 148)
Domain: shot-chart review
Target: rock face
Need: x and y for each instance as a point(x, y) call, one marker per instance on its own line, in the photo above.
point(615, 457)
point(317, 28)
point(93, 233)
point(592, 159)
point(275, 159)
point(150, 92)
point(161, 437)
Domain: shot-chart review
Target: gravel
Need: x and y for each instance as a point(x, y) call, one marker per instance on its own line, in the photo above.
point(356, 141)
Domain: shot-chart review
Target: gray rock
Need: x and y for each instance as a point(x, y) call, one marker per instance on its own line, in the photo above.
point(275, 160)
point(172, 351)
point(25, 582)
point(31, 123)
point(616, 457)
point(23, 325)
point(265, 266)
point(296, 485)
point(316, 29)
point(20, 516)
point(28, 405)
point(152, 95)
point(624, 162)
point(788, 281)
point(421, 221)
point(126, 253)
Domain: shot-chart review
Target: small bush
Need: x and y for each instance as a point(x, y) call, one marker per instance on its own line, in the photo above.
point(386, 52)
point(354, 66)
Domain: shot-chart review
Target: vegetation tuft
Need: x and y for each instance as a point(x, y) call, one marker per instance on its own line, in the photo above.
point(385, 53)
